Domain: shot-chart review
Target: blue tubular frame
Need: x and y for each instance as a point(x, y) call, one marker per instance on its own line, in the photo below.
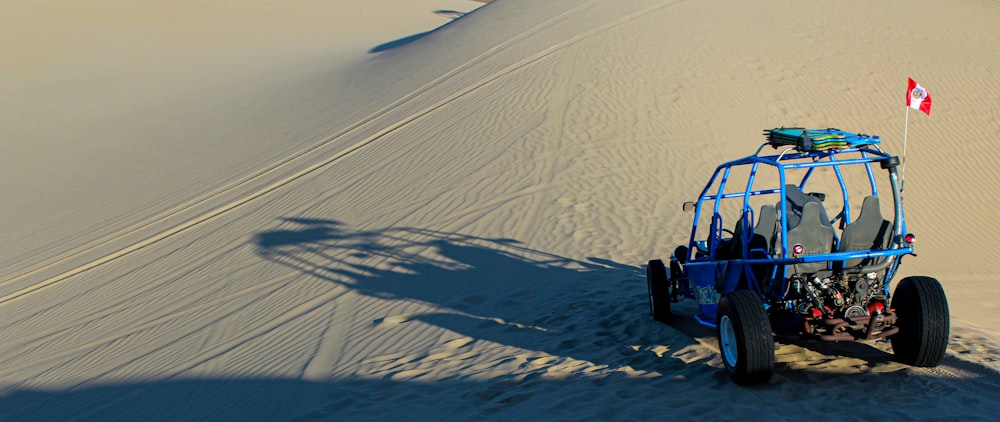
point(709, 271)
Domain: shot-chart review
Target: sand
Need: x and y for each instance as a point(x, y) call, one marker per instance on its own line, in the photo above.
point(442, 209)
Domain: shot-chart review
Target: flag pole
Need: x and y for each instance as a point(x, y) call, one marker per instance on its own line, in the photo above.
point(906, 125)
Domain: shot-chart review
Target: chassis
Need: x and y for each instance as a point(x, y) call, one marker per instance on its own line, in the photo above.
point(764, 258)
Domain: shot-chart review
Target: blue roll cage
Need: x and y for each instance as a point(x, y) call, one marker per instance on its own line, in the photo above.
point(788, 159)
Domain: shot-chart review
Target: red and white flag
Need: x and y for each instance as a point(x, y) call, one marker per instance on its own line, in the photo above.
point(918, 98)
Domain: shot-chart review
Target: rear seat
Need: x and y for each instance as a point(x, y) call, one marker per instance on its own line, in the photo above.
point(815, 234)
point(869, 231)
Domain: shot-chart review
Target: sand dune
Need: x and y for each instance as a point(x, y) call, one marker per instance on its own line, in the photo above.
point(401, 210)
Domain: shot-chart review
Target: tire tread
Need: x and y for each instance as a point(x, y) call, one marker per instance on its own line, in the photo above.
point(659, 290)
point(924, 322)
point(755, 343)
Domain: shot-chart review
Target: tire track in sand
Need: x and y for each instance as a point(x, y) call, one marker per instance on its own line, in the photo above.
point(288, 161)
point(337, 156)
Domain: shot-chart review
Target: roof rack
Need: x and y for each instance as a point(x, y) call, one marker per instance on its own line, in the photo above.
point(809, 140)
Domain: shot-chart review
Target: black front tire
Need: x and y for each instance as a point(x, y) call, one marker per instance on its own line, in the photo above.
point(659, 290)
point(923, 320)
point(746, 342)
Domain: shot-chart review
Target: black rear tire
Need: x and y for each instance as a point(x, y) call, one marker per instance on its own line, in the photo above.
point(746, 342)
point(659, 290)
point(923, 320)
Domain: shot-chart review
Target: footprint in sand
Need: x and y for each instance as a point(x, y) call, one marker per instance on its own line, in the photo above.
point(568, 344)
point(604, 342)
point(542, 361)
point(395, 319)
point(475, 299)
point(458, 343)
point(408, 374)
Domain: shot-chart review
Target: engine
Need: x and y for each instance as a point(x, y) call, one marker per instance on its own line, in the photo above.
point(841, 296)
point(840, 307)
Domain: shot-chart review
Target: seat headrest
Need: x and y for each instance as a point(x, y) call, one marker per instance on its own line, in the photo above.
point(794, 194)
point(811, 214)
point(870, 208)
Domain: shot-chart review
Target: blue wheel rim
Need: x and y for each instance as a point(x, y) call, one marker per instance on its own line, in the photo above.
point(727, 341)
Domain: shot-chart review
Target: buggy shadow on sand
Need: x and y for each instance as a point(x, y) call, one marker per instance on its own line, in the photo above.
point(765, 258)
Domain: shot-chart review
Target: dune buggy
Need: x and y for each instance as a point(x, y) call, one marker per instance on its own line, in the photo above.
point(771, 253)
